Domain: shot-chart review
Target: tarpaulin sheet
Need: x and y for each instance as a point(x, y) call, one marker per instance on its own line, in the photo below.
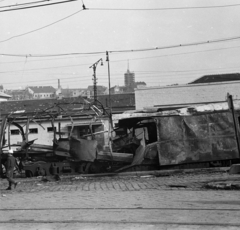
point(187, 139)
point(83, 150)
point(139, 154)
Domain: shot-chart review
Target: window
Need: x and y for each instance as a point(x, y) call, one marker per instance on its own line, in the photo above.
point(15, 132)
point(50, 129)
point(32, 131)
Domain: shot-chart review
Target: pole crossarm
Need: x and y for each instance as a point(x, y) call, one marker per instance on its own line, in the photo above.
point(94, 66)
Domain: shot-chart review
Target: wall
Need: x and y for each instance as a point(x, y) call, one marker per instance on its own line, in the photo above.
point(186, 94)
point(45, 137)
point(3, 99)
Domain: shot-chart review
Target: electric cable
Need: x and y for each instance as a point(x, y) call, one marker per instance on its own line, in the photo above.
point(48, 59)
point(167, 8)
point(103, 77)
point(29, 7)
point(27, 3)
point(42, 27)
point(132, 59)
point(133, 9)
point(132, 50)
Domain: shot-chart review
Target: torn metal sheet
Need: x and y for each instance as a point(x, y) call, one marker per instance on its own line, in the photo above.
point(83, 150)
point(199, 138)
point(208, 108)
point(187, 111)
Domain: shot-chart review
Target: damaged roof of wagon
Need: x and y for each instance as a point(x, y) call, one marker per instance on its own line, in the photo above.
point(187, 111)
point(41, 106)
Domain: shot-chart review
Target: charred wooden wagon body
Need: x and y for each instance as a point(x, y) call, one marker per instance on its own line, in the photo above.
point(199, 136)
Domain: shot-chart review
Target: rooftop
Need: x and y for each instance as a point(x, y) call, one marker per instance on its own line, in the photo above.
point(217, 78)
point(42, 89)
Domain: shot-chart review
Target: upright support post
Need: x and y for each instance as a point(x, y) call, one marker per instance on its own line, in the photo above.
point(110, 128)
point(109, 93)
point(26, 135)
point(94, 83)
point(231, 108)
point(2, 134)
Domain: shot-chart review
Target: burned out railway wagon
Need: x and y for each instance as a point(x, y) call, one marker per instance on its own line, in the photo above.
point(40, 131)
point(200, 136)
point(60, 137)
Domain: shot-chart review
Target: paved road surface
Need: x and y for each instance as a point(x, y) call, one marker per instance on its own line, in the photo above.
point(169, 202)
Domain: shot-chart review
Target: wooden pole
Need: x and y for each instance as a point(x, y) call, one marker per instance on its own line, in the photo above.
point(231, 108)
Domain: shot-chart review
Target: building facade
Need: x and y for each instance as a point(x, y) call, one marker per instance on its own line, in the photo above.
point(4, 96)
point(179, 95)
point(129, 79)
point(41, 92)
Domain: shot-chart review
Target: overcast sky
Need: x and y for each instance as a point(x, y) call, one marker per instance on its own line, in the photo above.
point(104, 27)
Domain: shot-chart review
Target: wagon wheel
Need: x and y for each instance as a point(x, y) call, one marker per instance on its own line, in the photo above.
point(29, 173)
point(3, 169)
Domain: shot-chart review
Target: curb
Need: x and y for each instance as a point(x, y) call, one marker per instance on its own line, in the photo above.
point(157, 173)
point(230, 185)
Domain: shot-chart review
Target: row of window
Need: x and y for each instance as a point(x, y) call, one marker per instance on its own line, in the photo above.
point(31, 131)
point(44, 95)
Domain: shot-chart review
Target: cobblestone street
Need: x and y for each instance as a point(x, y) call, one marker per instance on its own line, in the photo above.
point(178, 201)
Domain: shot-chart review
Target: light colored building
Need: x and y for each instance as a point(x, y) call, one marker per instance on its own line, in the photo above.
point(1, 89)
point(41, 92)
point(75, 92)
point(41, 128)
point(42, 131)
point(4, 96)
point(179, 95)
point(19, 94)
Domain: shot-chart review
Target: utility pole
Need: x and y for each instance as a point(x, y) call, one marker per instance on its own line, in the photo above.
point(109, 91)
point(94, 66)
point(231, 108)
point(2, 134)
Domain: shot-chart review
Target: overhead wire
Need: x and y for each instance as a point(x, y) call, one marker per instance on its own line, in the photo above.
point(62, 19)
point(178, 54)
point(132, 59)
point(45, 68)
point(51, 55)
point(84, 8)
point(23, 4)
point(137, 50)
point(132, 9)
point(155, 74)
point(160, 79)
point(48, 59)
point(34, 6)
point(166, 8)
point(130, 50)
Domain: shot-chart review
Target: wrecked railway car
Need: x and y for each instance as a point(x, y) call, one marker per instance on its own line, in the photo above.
point(81, 145)
point(199, 136)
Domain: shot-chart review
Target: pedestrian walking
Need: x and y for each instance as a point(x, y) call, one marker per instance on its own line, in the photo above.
point(11, 163)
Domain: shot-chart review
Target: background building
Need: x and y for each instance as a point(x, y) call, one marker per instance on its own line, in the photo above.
point(4, 96)
point(207, 89)
point(41, 92)
point(129, 79)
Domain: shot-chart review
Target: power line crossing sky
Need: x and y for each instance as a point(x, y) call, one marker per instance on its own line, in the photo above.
point(165, 42)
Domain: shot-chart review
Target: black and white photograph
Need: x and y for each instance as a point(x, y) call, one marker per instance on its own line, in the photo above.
point(119, 114)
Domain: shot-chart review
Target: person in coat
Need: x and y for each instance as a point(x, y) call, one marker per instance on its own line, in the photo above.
point(11, 163)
